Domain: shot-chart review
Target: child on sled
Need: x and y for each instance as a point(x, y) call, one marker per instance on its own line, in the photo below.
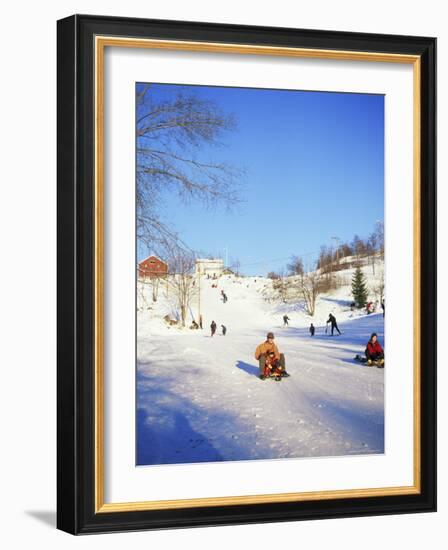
point(272, 367)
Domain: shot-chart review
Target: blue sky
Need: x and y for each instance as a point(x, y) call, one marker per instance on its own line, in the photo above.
point(314, 169)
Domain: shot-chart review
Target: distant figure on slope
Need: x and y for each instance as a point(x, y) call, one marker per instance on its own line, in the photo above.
point(200, 320)
point(334, 323)
point(224, 296)
point(263, 354)
point(194, 325)
point(312, 329)
point(213, 328)
point(374, 351)
point(224, 330)
point(285, 320)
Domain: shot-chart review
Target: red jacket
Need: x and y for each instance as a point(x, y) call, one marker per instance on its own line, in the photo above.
point(374, 348)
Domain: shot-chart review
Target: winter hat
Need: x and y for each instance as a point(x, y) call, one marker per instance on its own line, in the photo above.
point(270, 335)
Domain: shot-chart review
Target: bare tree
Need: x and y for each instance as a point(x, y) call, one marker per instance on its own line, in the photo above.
point(142, 292)
point(372, 245)
point(310, 288)
point(345, 250)
point(181, 279)
point(295, 267)
point(281, 285)
point(155, 283)
point(325, 259)
point(379, 232)
point(378, 288)
point(358, 247)
point(173, 129)
point(235, 266)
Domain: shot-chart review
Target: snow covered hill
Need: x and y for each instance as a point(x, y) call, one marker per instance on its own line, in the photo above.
point(200, 398)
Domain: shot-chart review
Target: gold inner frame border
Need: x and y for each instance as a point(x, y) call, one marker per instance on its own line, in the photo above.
point(101, 42)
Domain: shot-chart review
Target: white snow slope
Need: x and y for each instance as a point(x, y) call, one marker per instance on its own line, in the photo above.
point(199, 398)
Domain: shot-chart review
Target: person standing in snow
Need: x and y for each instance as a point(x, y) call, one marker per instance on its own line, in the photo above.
point(224, 330)
point(312, 329)
point(213, 328)
point(285, 320)
point(224, 296)
point(334, 324)
point(264, 350)
point(200, 320)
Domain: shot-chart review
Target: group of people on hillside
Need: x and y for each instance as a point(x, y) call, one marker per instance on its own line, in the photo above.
point(213, 327)
point(272, 363)
point(370, 308)
point(195, 325)
point(334, 326)
point(312, 328)
point(223, 294)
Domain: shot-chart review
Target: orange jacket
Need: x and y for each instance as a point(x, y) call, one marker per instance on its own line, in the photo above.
point(265, 348)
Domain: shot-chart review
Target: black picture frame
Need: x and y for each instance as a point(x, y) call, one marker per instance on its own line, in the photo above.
point(76, 512)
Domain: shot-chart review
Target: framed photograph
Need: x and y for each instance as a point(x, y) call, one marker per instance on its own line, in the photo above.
point(246, 274)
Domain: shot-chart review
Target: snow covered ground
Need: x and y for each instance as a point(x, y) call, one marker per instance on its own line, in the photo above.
point(199, 398)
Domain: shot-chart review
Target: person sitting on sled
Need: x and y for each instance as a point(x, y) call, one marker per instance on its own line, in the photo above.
point(374, 351)
point(262, 353)
point(272, 367)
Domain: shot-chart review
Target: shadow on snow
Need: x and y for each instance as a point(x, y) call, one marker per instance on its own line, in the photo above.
point(165, 431)
point(249, 369)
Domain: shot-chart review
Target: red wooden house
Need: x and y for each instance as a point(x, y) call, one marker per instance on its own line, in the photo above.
point(152, 267)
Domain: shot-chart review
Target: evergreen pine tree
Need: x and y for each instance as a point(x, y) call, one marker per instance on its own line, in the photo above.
point(359, 289)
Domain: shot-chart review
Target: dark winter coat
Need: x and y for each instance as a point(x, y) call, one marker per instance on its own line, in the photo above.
point(332, 319)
